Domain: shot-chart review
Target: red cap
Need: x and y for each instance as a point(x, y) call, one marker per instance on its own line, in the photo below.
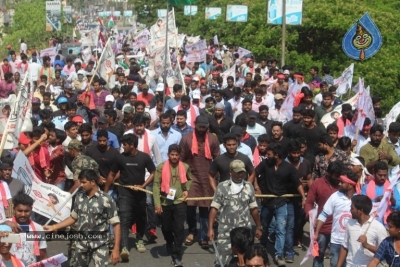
point(281, 76)
point(23, 139)
point(77, 119)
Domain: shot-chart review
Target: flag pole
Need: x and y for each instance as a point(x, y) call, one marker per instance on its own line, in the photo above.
point(165, 56)
point(98, 64)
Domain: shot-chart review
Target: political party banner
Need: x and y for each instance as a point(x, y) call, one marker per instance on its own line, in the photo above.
point(90, 38)
point(213, 12)
point(142, 41)
point(54, 261)
point(156, 61)
point(50, 52)
point(243, 52)
point(335, 114)
point(363, 40)
point(53, 16)
point(48, 198)
point(236, 13)
point(5, 110)
point(226, 74)
point(344, 82)
point(162, 13)
point(288, 103)
point(67, 14)
point(196, 52)
point(392, 115)
point(294, 12)
point(190, 10)
point(21, 106)
point(107, 65)
point(159, 30)
point(192, 39)
point(128, 13)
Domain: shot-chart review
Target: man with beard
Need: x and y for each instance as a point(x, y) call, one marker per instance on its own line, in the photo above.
point(246, 107)
point(325, 107)
point(223, 123)
point(363, 236)
point(338, 205)
point(278, 137)
point(114, 126)
point(260, 153)
point(221, 164)
point(310, 132)
point(86, 133)
point(29, 251)
point(320, 190)
point(129, 112)
point(220, 98)
point(132, 165)
point(57, 152)
point(274, 176)
point(102, 124)
point(181, 126)
point(376, 150)
point(253, 128)
point(275, 113)
point(289, 128)
point(198, 150)
point(344, 120)
point(191, 110)
point(333, 132)
point(263, 119)
point(228, 91)
point(328, 153)
point(166, 136)
point(295, 214)
point(15, 185)
point(235, 202)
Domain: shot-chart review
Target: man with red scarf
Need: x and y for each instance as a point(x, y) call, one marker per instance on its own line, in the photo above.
point(199, 148)
point(172, 180)
point(192, 111)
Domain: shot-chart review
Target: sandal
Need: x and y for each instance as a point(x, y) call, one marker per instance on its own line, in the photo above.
point(204, 245)
point(189, 241)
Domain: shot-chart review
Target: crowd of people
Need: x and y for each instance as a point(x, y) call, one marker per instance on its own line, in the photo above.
point(142, 154)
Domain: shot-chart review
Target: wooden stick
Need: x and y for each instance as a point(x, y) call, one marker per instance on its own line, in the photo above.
point(97, 67)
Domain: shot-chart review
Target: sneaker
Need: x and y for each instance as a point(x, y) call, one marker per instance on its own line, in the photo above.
point(152, 235)
point(279, 261)
point(124, 255)
point(289, 258)
point(177, 262)
point(133, 229)
point(140, 246)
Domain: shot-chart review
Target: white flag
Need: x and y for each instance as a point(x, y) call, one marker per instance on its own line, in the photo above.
point(343, 83)
point(288, 104)
point(312, 214)
point(215, 39)
point(107, 65)
point(243, 52)
point(54, 261)
point(197, 52)
point(227, 73)
point(365, 108)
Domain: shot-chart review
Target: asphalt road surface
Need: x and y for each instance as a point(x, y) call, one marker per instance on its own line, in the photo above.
point(193, 256)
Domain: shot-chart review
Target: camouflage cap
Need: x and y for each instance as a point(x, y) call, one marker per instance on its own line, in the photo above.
point(75, 144)
point(237, 166)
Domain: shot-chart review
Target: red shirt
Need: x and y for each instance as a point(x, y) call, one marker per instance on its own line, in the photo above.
point(57, 165)
point(146, 99)
point(39, 171)
point(319, 193)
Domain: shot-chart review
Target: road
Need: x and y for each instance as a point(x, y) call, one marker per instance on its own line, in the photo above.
point(193, 256)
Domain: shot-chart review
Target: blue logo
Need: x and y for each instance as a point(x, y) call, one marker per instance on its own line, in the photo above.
point(363, 39)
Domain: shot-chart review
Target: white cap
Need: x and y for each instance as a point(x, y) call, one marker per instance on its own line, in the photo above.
point(195, 79)
point(110, 98)
point(286, 72)
point(83, 72)
point(196, 94)
point(160, 87)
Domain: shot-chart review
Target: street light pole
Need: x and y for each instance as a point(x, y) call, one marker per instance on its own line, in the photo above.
point(283, 32)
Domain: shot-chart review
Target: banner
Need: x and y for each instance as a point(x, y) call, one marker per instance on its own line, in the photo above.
point(226, 74)
point(90, 38)
point(288, 103)
point(67, 14)
point(48, 198)
point(294, 12)
point(197, 52)
point(156, 61)
point(344, 82)
point(192, 39)
point(365, 108)
point(335, 114)
point(392, 115)
point(54, 261)
point(190, 10)
point(312, 215)
point(215, 39)
point(236, 13)
point(17, 117)
point(159, 30)
point(243, 52)
point(213, 12)
point(107, 65)
point(5, 110)
point(53, 16)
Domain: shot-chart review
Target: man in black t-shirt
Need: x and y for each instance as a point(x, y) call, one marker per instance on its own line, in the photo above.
point(132, 165)
point(114, 126)
point(277, 136)
point(220, 164)
point(289, 128)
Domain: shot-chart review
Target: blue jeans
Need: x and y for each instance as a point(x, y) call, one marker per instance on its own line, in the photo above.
point(323, 241)
point(150, 210)
point(334, 253)
point(289, 230)
point(280, 215)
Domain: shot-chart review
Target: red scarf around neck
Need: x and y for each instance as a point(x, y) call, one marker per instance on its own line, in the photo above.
point(3, 195)
point(166, 175)
point(256, 157)
point(195, 146)
point(146, 148)
point(25, 68)
point(36, 242)
point(193, 114)
point(15, 261)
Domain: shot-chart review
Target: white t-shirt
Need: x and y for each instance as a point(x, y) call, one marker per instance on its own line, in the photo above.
point(256, 130)
point(338, 205)
point(26, 252)
point(7, 196)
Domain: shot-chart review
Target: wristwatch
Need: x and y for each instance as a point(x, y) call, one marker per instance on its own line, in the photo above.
point(260, 228)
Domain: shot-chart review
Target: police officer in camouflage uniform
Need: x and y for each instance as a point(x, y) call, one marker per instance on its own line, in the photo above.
point(80, 162)
point(235, 201)
point(92, 211)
